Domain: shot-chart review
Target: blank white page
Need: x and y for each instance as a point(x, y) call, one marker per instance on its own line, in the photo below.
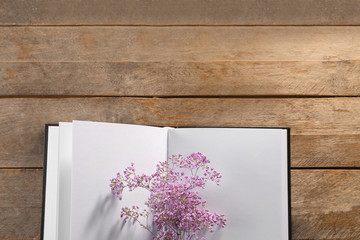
point(100, 150)
point(253, 190)
point(65, 162)
point(51, 192)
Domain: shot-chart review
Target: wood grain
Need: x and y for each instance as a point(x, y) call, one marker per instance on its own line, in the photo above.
point(180, 44)
point(326, 150)
point(325, 204)
point(20, 204)
point(229, 78)
point(20, 223)
point(322, 128)
point(185, 12)
point(20, 188)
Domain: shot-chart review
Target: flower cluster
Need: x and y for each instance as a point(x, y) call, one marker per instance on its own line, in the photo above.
point(178, 211)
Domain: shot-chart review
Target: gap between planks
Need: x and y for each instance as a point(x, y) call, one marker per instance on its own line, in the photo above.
point(184, 96)
point(179, 25)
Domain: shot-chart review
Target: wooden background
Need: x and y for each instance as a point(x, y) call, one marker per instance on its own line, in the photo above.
point(266, 63)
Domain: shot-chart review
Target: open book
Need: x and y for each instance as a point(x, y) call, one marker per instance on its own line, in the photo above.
point(81, 158)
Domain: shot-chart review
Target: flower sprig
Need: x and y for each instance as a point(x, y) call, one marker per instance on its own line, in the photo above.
point(178, 211)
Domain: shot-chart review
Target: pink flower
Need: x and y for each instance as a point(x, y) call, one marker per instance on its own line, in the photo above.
point(178, 211)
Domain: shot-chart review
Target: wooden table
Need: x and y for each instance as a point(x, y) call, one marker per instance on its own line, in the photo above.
point(187, 63)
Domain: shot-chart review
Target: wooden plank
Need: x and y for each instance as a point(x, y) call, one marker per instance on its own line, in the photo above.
point(180, 44)
point(229, 78)
point(22, 122)
point(185, 12)
point(20, 204)
point(20, 223)
point(326, 150)
point(20, 188)
point(325, 204)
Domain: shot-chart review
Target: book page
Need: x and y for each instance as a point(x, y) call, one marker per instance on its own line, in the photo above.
point(253, 189)
point(51, 184)
point(100, 150)
point(65, 162)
